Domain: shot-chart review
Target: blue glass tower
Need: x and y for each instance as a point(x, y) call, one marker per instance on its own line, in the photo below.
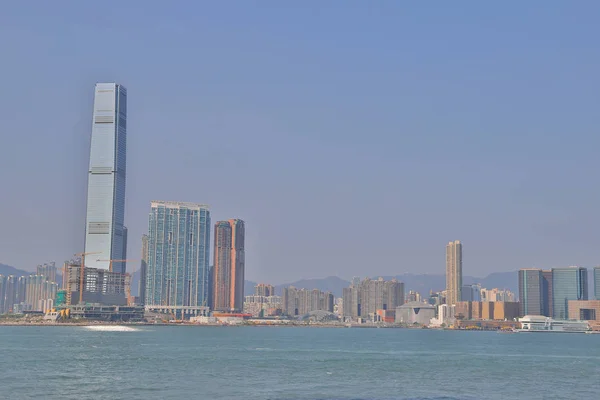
point(597, 283)
point(532, 296)
point(177, 274)
point(567, 284)
point(105, 234)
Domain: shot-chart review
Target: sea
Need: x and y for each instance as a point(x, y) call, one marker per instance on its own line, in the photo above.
point(201, 362)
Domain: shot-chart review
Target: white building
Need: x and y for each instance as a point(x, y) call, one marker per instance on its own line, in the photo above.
point(415, 313)
point(445, 315)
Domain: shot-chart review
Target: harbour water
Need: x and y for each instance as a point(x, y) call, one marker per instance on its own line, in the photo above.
point(187, 362)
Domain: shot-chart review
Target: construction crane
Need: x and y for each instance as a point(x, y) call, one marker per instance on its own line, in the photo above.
point(82, 272)
point(127, 277)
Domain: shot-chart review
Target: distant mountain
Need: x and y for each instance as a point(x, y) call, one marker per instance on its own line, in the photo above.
point(8, 270)
point(331, 284)
point(426, 283)
point(420, 283)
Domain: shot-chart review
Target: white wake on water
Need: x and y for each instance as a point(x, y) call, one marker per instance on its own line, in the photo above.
point(111, 328)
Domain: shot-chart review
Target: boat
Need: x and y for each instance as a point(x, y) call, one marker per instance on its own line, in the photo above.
point(538, 323)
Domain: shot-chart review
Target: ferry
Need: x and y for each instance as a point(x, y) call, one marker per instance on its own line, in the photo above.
point(538, 323)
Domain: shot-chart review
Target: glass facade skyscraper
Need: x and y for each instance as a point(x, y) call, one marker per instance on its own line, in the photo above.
point(104, 230)
point(597, 283)
point(567, 284)
point(177, 273)
point(532, 292)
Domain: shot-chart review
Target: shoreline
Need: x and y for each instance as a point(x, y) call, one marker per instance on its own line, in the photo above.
point(290, 325)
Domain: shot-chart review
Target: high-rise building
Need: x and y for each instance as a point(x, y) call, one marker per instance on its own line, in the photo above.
point(597, 283)
point(10, 293)
point(105, 234)
point(548, 306)
point(363, 300)
point(2, 292)
point(532, 296)
point(567, 284)
point(298, 302)
point(40, 292)
point(229, 264)
point(177, 275)
point(453, 272)
point(48, 271)
point(263, 289)
point(143, 270)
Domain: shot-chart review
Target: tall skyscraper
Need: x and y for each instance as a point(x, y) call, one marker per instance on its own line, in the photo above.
point(597, 283)
point(104, 230)
point(143, 270)
point(453, 272)
point(567, 284)
point(178, 254)
point(548, 306)
point(229, 264)
point(532, 296)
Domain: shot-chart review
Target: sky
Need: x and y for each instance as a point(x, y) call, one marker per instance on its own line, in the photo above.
point(354, 138)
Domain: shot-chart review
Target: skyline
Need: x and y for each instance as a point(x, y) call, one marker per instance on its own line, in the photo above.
point(380, 130)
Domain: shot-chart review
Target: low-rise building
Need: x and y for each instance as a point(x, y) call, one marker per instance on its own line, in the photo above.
point(415, 313)
point(506, 310)
point(584, 310)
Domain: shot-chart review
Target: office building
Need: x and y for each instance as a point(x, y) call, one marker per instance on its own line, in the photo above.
point(363, 299)
point(567, 284)
point(228, 268)
point(466, 293)
point(548, 306)
point(143, 271)
point(299, 302)
point(105, 235)
point(177, 275)
point(597, 283)
point(532, 296)
point(453, 272)
point(264, 290)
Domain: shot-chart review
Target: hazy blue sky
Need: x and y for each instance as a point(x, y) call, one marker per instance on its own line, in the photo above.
point(354, 138)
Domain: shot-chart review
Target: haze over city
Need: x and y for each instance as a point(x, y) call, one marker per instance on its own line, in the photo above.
point(353, 140)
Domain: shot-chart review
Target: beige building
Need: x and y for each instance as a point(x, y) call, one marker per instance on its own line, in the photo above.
point(584, 310)
point(229, 264)
point(506, 310)
point(453, 272)
point(476, 310)
point(464, 310)
point(487, 310)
